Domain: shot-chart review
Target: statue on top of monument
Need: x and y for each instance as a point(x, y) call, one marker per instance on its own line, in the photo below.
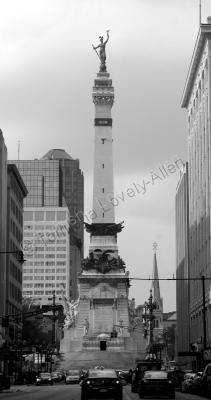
point(102, 53)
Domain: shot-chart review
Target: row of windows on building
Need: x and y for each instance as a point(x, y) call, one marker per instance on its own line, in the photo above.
point(42, 285)
point(15, 230)
point(16, 189)
point(42, 201)
point(41, 293)
point(44, 278)
point(42, 263)
point(198, 315)
point(38, 241)
point(47, 270)
point(53, 227)
point(49, 165)
point(59, 248)
point(199, 92)
point(45, 215)
point(16, 211)
point(40, 255)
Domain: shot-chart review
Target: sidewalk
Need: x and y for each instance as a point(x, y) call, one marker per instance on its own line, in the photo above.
point(21, 388)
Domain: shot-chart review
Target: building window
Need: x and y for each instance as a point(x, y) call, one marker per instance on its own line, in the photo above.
point(61, 215)
point(39, 215)
point(50, 215)
point(28, 215)
point(50, 256)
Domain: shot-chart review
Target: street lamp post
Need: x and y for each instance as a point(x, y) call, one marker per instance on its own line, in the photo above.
point(148, 317)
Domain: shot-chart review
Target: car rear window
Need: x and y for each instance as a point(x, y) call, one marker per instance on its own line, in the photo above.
point(155, 375)
point(74, 372)
point(102, 373)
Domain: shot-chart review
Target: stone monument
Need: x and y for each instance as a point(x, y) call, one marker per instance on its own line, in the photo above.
point(103, 318)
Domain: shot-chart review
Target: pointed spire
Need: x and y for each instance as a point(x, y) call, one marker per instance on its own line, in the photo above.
point(155, 282)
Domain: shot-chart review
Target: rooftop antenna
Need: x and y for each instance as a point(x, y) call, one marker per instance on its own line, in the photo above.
point(199, 13)
point(19, 149)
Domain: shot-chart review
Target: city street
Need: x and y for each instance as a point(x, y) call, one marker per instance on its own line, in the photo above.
point(68, 392)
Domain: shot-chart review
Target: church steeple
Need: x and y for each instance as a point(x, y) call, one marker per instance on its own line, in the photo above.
point(158, 313)
point(155, 282)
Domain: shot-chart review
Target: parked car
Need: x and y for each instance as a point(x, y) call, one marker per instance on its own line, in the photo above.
point(101, 382)
point(73, 376)
point(44, 378)
point(206, 381)
point(138, 372)
point(123, 375)
point(196, 386)
point(157, 383)
point(56, 376)
point(177, 376)
point(187, 382)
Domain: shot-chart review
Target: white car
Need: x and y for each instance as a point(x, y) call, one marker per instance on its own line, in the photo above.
point(72, 376)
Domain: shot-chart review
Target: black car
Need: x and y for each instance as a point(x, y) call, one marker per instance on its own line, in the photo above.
point(44, 378)
point(141, 367)
point(156, 383)
point(206, 381)
point(124, 375)
point(103, 382)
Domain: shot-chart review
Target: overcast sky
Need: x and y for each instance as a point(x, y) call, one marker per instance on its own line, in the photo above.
point(47, 71)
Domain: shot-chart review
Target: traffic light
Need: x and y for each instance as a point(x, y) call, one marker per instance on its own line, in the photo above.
point(20, 256)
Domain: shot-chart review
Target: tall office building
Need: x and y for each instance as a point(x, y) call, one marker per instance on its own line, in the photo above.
point(57, 181)
point(16, 192)
point(3, 218)
point(47, 249)
point(197, 101)
point(182, 266)
point(3, 222)
point(12, 193)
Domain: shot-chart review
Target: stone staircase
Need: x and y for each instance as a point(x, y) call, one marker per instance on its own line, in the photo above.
point(93, 343)
point(90, 359)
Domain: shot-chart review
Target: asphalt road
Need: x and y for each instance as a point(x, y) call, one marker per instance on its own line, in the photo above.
point(68, 392)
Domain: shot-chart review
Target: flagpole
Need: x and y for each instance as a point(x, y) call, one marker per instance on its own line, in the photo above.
point(199, 13)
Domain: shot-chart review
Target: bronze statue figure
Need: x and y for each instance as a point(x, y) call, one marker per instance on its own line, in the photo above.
point(102, 53)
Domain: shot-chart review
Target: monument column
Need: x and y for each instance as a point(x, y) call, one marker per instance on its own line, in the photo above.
point(103, 278)
point(103, 98)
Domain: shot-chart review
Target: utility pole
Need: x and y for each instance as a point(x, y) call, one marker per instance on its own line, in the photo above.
point(204, 312)
point(150, 306)
point(54, 322)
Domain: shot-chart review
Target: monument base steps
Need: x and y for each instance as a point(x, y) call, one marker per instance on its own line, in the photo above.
point(90, 359)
